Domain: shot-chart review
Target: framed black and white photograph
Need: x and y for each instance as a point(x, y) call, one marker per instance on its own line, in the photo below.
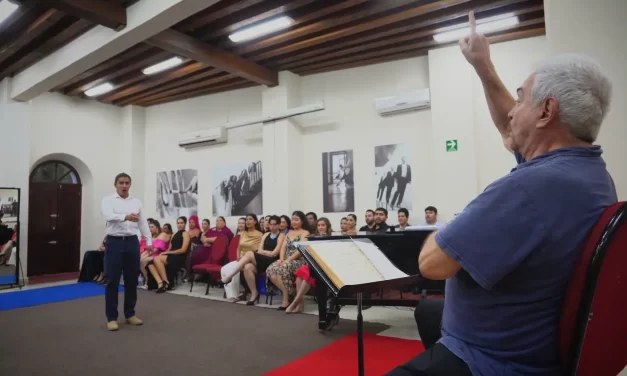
point(338, 188)
point(177, 193)
point(237, 189)
point(9, 235)
point(392, 172)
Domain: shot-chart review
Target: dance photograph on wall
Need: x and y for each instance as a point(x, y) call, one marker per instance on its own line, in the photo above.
point(392, 172)
point(9, 235)
point(238, 189)
point(177, 193)
point(338, 188)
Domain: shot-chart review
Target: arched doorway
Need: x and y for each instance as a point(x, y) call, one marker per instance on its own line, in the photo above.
point(54, 219)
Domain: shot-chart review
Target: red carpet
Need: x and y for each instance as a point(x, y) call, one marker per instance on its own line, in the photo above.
point(381, 354)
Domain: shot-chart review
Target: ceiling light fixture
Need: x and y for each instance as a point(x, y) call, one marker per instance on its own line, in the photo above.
point(99, 90)
point(164, 65)
point(484, 26)
point(264, 28)
point(6, 9)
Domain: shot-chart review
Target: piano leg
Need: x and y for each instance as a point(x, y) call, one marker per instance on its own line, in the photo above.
point(360, 336)
point(321, 297)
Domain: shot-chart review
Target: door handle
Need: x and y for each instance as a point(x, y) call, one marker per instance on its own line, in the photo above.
point(52, 242)
point(53, 215)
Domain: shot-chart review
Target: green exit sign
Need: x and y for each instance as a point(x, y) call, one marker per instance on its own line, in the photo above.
point(451, 145)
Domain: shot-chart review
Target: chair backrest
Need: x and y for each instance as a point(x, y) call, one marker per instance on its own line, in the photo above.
point(218, 250)
point(593, 328)
point(233, 248)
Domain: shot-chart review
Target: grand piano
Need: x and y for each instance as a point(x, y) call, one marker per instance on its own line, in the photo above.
point(402, 249)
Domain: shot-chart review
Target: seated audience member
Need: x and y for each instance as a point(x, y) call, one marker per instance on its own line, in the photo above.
point(312, 220)
point(431, 217)
point(93, 266)
point(380, 220)
point(281, 272)
point(253, 263)
point(174, 257)
point(508, 255)
point(167, 228)
point(207, 239)
point(267, 223)
point(241, 225)
point(351, 225)
point(403, 217)
point(160, 244)
point(285, 225)
point(222, 228)
point(304, 281)
point(343, 225)
point(370, 225)
point(262, 223)
point(249, 240)
point(195, 232)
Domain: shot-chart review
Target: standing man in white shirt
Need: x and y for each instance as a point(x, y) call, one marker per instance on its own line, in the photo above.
point(125, 221)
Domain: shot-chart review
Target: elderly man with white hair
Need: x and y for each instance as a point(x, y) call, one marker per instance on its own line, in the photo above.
point(508, 255)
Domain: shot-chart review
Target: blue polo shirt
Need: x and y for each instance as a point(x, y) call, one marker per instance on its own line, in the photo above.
point(517, 243)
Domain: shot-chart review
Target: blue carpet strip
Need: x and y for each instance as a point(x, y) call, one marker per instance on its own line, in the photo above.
point(45, 295)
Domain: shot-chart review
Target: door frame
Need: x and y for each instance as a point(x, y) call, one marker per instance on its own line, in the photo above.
point(30, 208)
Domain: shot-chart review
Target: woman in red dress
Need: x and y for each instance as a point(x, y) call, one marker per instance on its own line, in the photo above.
point(304, 281)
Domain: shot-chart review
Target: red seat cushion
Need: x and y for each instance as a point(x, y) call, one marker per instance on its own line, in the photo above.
point(207, 268)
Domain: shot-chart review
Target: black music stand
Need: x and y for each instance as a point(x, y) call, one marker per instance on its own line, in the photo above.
point(358, 290)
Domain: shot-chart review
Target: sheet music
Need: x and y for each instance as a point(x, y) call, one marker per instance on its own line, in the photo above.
point(356, 261)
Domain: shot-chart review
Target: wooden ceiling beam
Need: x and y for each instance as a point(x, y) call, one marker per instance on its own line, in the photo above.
point(120, 91)
point(211, 15)
point(379, 22)
point(38, 27)
point(433, 19)
point(213, 90)
point(108, 14)
point(184, 45)
point(221, 80)
point(206, 74)
point(382, 44)
point(397, 54)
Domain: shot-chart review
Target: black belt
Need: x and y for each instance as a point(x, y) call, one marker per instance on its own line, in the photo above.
point(125, 237)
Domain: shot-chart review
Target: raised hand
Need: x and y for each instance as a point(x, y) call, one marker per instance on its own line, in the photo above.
point(475, 46)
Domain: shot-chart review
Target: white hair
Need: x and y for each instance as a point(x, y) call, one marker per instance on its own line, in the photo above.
point(581, 88)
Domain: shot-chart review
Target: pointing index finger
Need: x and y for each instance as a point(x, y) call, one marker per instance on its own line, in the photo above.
point(472, 22)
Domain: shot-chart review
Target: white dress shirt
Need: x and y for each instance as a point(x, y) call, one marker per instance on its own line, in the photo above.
point(115, 209)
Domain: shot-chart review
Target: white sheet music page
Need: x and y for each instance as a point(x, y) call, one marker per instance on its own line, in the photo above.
point(355, 262)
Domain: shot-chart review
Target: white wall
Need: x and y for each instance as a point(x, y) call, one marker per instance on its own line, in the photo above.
point(349, 107)
point(85, 134)
point(165, 123)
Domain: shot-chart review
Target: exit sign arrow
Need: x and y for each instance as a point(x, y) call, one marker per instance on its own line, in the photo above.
point(451, 145)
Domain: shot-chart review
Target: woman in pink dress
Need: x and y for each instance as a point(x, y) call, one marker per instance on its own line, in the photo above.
point(160, 243)
point(304, 280)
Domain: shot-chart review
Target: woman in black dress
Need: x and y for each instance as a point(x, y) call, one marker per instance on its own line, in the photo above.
point(174, 257)
point(93, 266)
point(253, 263)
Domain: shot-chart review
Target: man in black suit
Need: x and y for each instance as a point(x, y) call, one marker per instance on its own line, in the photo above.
point(403, 177)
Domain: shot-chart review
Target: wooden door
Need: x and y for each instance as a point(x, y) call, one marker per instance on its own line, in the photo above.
point(54, 220)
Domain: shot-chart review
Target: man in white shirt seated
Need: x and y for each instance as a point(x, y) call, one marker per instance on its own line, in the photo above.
point(431, 217)
point(125, 220)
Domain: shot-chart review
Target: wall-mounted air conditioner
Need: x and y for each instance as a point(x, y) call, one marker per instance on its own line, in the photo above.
point(204, 137)
point(403, 102)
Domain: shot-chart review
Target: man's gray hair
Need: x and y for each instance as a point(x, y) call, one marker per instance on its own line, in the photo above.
point(581, 88)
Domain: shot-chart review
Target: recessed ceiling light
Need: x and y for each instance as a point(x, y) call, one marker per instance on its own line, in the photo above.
point(485, 26)
point(264, 28)
point(164, 65)
point(6, 9)
point(98, 90)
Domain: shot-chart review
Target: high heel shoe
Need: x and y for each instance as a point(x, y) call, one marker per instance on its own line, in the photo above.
point(163, 286)
point(253, 301)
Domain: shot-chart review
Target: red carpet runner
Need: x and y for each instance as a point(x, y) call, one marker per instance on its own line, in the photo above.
point(381, 354)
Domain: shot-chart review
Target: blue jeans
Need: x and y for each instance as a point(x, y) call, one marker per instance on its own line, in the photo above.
point(121, 256)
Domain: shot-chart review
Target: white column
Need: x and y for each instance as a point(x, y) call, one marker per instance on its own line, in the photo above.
point(454, 180)
point(598, 29)
point(15, 120)
point(282, 148)
point(134, 147)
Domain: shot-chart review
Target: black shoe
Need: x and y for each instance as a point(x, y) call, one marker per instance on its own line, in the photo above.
point(163, 286)
point(252, 302)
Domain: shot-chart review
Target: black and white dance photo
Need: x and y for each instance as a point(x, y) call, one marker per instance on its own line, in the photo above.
point(392, 172)
point(9, 212)
point(237, 189)
point(338, 187)
point(177, 193)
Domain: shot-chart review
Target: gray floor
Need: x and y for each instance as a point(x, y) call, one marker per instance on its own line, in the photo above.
point(182, 336)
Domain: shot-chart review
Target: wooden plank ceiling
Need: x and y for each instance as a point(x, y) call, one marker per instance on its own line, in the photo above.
point(325, 35)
